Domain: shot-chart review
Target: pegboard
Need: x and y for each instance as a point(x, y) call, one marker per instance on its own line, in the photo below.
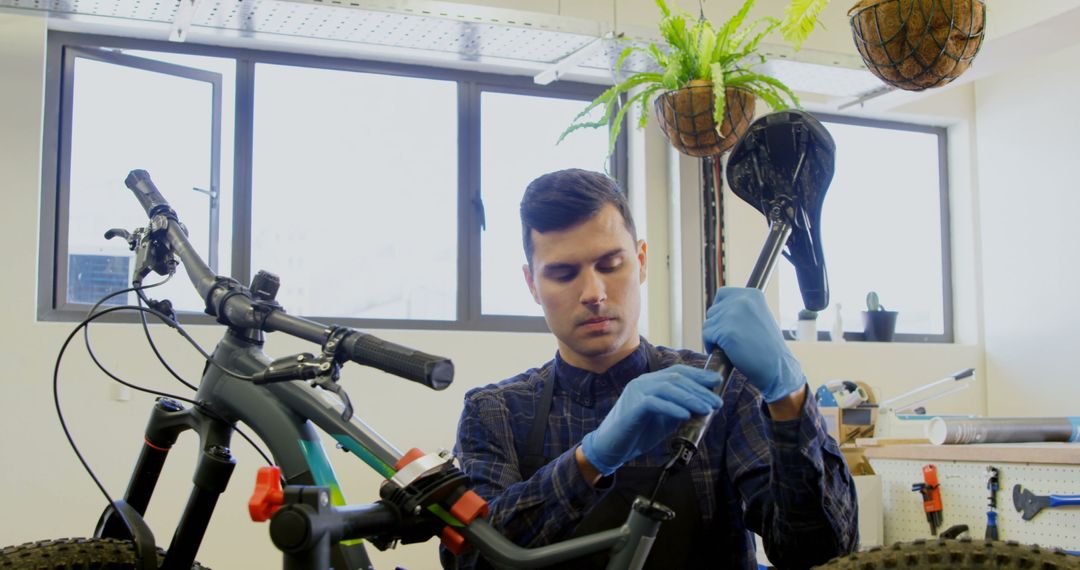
point(965, 499)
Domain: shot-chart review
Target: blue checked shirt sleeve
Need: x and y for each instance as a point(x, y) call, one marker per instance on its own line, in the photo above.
point(794, 482)
point(533, 512)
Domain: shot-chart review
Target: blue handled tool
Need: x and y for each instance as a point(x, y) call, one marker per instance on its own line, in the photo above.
point(992, 485)
point(1029, 504)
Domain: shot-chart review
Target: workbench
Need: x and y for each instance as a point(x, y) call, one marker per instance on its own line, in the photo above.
point(1043, 468)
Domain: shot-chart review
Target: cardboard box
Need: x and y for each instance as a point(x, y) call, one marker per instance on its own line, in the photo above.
point(871, 513)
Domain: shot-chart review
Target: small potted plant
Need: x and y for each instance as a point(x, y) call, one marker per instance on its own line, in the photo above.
point(705, 89)
point(879, 325)
point(807, 328)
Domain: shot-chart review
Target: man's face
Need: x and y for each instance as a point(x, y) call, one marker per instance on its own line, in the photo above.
point(588, 280)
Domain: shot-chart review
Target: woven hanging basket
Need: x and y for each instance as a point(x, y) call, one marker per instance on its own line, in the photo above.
point(918, 44)
point(686, 117)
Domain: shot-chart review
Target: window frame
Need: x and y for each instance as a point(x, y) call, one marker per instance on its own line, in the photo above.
point(470, 86)
point(945, 226)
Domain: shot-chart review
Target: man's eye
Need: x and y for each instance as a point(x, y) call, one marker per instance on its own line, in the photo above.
point(561, 276)
point(609, 266)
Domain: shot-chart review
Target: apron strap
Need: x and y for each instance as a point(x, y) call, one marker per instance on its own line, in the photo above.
point(534, 446)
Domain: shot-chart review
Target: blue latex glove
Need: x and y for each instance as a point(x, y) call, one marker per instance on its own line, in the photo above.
point(739, 322)
point(649, 410)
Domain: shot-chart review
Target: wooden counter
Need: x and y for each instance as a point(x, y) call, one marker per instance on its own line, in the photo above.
point(1042, 453)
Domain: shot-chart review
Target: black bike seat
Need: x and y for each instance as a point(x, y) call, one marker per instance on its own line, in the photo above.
point(784, 162)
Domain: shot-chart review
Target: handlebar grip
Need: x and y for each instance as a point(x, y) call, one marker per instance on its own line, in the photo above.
point(435, 372)
point(139, 182)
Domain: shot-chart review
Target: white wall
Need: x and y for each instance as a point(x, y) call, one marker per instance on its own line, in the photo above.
point(1021, 188)
point(1028, 144)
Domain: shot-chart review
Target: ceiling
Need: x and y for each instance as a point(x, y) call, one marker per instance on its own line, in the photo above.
point(546, 46)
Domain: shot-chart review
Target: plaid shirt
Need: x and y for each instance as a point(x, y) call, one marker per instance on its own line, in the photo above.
point(784, 480)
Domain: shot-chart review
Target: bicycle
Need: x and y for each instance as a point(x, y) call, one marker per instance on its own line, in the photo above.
point(423, 495)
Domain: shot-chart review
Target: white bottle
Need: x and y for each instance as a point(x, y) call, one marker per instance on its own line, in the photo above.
point(838, 326)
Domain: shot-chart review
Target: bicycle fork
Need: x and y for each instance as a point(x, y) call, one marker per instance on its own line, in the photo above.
point(215, 466)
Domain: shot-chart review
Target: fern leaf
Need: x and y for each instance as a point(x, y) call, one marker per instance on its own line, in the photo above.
point(735, 22)
point(706, 45)
point(744, 47)
point(643, 119)
point(627, 52)
point(719, 93)
point(800, 17)
point(616, 124)
point(673, 74)
point(663, 8)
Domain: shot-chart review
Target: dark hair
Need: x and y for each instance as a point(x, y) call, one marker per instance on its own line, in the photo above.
point(563, 199)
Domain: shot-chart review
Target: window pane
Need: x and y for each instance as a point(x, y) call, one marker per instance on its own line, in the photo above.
point(354, 192)
point(227, 69)
point(880, 231)
point(517, 143)
point(157, 122)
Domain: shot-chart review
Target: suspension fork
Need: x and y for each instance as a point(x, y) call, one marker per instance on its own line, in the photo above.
point(211, 477)
point(168, 420)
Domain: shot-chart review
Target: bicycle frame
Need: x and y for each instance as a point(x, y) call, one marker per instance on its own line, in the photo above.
point(284, 412)
point(278, 413)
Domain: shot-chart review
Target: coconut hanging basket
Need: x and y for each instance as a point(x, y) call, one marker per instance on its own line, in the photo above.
point(918, 44)
point(686, 117)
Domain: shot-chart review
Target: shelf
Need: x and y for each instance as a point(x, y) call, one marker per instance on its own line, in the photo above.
point(1040, 453)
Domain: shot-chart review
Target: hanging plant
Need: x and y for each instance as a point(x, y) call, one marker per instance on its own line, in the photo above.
point(714, 65)
point(918, 44)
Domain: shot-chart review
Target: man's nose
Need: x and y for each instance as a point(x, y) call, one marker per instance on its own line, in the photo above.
point(593, 290)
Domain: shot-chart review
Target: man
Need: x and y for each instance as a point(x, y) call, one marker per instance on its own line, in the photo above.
point(561, 450)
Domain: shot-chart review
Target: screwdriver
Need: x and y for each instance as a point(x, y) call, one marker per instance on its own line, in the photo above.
point(992, 485)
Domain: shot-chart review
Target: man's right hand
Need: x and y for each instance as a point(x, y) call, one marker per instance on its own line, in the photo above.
point(649, 410)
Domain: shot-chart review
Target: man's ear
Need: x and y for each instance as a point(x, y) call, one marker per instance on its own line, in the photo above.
point(529, 281)
point(643, 259)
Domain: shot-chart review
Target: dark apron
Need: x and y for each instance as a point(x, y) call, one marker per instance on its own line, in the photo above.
point(678, 544)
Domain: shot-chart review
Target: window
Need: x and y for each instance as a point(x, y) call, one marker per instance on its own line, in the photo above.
point(382, 195)
point(884, 228)
point(129, 112)
point(512, 161)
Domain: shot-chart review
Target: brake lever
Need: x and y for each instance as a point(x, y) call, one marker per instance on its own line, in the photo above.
point(330, 384)
point(305, 366)
point(322, 371)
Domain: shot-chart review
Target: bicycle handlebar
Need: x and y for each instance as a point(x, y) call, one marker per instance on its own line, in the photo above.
point(224, 300)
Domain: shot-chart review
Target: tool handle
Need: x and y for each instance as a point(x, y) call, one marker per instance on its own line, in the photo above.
point(1064, 500)
point(691, 431)
point(991, 526)
point(932, 491)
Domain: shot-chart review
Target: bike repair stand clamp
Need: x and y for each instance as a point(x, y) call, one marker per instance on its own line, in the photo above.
point(424, 482)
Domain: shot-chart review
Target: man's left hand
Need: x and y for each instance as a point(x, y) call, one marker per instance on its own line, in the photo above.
point(739, 322)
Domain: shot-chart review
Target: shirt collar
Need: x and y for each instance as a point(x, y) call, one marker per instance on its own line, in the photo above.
point(581, 384)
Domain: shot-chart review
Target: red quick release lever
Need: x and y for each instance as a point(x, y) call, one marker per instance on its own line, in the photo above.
point(268, 496)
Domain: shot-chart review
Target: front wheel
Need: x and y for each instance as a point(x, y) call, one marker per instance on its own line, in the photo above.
point(964, 554)
point(81, 553)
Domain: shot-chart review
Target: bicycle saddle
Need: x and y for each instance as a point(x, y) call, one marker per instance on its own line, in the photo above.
point(784, 162)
